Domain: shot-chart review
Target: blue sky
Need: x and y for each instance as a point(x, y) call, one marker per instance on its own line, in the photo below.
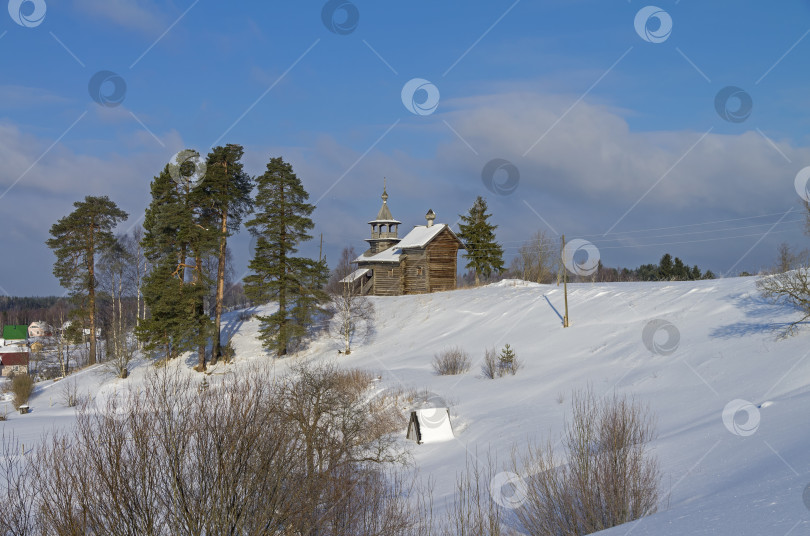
point(614, 137)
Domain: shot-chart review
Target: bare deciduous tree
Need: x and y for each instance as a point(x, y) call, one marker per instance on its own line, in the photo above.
point(342, 269)
point(116, 279)
point(787, 259)
point(537, 259)
point(352, 315)
point(792, 288)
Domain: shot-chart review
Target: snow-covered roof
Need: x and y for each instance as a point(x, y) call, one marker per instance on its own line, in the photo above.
point(391, 254)
point(419, 237)
point(354, 276)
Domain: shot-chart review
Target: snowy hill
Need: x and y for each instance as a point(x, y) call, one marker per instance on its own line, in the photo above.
point(714, 344)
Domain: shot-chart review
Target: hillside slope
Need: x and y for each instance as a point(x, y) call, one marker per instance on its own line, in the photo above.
point(719, 478)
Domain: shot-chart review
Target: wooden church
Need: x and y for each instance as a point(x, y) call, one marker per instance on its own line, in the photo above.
point(422, 261)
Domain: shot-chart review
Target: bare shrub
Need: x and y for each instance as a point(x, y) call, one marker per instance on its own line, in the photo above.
point(310, 454)
point(490, 368)
point(121, 352)
point(18, 490)
point(451, 361)
point(610, 477)
point(355, 380)
point(22, 385)
point(474, 511)
point(228, 351)
point(70, 393)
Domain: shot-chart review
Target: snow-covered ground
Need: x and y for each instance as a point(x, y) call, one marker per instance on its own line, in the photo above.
point(712, 353)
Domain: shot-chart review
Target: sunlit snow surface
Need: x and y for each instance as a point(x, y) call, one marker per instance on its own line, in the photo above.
point(741, 475)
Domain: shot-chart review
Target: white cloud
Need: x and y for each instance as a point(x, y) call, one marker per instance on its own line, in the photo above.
point(587, 171)
point(14, 97)
point(582, 177)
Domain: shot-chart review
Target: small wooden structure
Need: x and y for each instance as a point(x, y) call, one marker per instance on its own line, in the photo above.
point(414, 433)
point(23, 409)
point(424, 261)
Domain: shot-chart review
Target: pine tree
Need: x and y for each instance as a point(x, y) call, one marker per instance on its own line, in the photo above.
point(227, 190)
point(179, 234)
point(506, 360)
point(280, 223)
point(695, 274)
point(484, 254)
point(77, 240)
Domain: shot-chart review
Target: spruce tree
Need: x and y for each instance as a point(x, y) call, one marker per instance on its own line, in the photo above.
point(679, 270)
point(280, 223)
point(227, 190)
point(665, 269)
point(484, 254)
point(78, 240)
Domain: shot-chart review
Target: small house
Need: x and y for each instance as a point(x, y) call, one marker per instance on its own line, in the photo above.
point(423, 261)
point(13, 363)
point(15, 334)
point(39, 329)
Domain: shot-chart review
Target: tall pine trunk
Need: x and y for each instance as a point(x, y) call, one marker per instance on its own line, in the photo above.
point(199, 310)
point(216, 351)
point(282, 295)
point(121, 334)
point(91, 296)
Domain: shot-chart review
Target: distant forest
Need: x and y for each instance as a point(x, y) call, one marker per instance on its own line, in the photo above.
point(23, 311)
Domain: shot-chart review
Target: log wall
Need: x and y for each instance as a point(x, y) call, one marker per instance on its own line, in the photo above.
point(442, 253)
point(386, 279)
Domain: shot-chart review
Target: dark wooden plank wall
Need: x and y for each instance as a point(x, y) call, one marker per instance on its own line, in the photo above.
point(413, 282)
point(442, 253)
point(386, 284)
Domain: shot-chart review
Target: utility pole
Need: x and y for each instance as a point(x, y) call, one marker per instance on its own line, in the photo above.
point(565, 282)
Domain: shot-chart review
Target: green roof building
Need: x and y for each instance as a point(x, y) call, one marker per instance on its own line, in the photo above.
point(15, 333)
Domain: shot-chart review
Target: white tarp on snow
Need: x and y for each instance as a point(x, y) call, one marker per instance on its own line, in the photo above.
point(434, 425)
